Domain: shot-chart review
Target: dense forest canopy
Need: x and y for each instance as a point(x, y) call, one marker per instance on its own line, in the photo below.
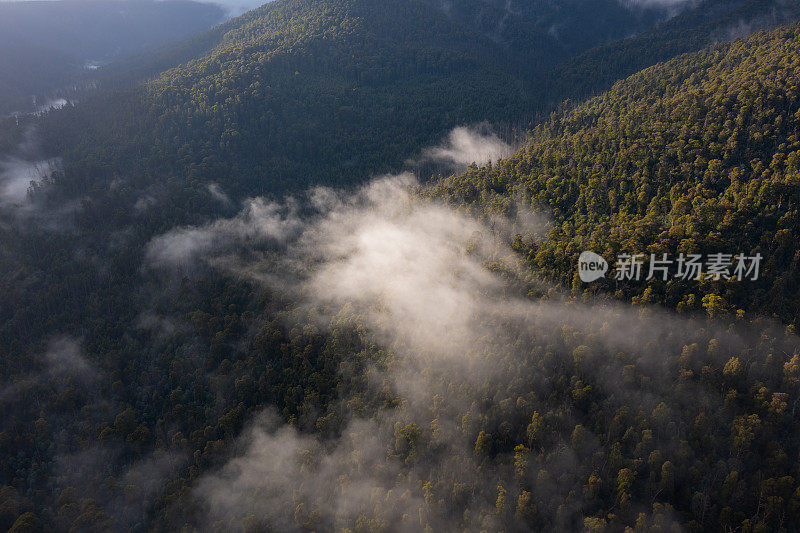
point(214, 317)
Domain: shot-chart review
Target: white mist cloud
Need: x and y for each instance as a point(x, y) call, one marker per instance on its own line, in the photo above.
point(181, 246)
point(218, 194)
point(51, 104)
point(464, 146)
point(24, 169)
point(145, 202)
point(160, 326)
point(63, 362)
point(380, 246)
point(16, 176)
point(285, 478)
point(260, 221)
point(415, 270)
point(64, 358)
point(263, 220)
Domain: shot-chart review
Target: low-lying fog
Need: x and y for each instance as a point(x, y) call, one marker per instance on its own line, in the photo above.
point(16, 176)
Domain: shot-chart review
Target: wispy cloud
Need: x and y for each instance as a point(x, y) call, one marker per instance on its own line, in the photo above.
point(465, 145)
point(62, 363)
point(218, 194)
point(16, 177)
point(260, 221)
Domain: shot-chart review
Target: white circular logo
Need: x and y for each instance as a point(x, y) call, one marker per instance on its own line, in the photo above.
point(591, 267)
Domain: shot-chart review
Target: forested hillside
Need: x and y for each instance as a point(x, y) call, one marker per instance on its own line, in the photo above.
point(304, 92)
point(308, 92)
point(698, 155)
point(194, 335)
